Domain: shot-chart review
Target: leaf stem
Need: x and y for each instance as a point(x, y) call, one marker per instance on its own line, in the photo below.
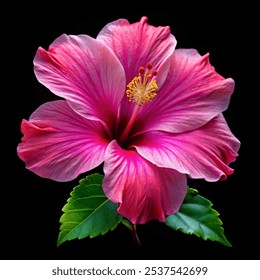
point(133, 231)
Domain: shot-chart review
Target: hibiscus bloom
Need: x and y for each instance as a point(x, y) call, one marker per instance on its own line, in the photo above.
point(152, 114)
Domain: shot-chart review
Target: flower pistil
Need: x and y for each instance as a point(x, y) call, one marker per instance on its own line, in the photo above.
point(142, 88)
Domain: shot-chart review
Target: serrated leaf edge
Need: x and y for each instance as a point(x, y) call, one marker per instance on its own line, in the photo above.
point(91, 236)
point(223, 239)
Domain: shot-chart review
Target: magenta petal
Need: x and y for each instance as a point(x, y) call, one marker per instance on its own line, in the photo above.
point(59, 144)
point(203, 153)
point(84, 72)
point(137, 44)
point(143, 190)
point(192, 94)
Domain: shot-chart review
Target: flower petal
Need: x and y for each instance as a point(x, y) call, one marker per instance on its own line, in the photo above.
point(192, 94)
point(135, 45)
point(202, 153)
point(59, 144)
point(143, 190)
point(84, 72)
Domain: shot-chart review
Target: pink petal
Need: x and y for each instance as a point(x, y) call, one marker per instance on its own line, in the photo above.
point(85, 72)
point(143, 190)
point(202, 153)
point(135, 45)
point(193, 94)
point(59, 144)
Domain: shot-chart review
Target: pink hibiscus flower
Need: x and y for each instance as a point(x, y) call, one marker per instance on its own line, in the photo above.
point(150, 113)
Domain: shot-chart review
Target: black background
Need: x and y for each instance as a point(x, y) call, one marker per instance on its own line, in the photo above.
point(31, 206)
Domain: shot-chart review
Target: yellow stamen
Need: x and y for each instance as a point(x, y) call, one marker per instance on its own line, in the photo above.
point(142, 88)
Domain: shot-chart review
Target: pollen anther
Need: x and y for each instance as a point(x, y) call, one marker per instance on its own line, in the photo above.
point(142, 88)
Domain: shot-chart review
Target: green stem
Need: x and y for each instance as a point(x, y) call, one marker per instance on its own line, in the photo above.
point(133, 231)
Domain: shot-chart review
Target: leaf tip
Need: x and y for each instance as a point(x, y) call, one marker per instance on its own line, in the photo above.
point(228, 244)
point(59, 242)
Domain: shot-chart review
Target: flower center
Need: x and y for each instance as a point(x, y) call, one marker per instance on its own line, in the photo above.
point(142, 88)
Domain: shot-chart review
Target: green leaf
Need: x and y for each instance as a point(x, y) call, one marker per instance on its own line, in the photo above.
point(196, 216)
point(88, 212)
